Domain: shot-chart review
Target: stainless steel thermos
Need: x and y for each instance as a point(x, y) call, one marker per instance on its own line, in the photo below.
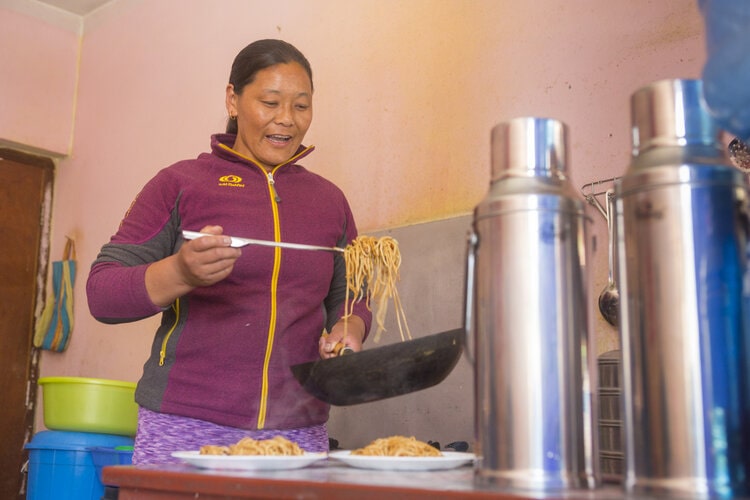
point(682, 216)
point(528, 311)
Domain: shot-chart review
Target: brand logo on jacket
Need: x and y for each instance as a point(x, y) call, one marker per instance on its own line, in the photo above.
point(231, 181)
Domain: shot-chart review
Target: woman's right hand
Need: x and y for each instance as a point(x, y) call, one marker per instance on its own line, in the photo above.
point(199, 262)
point(208, 259)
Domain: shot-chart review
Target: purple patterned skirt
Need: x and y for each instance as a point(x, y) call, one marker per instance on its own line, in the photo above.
point(159, 434)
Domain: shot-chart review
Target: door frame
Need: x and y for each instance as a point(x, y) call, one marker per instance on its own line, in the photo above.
point(47, 166)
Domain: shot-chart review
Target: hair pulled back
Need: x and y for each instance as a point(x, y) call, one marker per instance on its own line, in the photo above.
point(258, 56)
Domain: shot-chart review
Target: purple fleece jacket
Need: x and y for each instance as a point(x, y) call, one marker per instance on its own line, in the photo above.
point(223, 353)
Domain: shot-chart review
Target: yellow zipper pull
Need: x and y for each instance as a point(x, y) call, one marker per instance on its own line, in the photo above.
point(271, 183)
point(163, 350)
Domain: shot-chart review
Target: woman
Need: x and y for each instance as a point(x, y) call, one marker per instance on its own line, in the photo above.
point(235, 320)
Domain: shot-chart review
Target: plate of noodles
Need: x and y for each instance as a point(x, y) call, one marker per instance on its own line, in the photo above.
point(277, 453)
point(402, 453)
point(248, 462)
point(447, 460)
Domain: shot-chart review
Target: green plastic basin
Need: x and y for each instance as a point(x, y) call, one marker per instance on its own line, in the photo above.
point(89, 405)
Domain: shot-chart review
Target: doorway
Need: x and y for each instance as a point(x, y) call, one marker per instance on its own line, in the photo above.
point(25, 204)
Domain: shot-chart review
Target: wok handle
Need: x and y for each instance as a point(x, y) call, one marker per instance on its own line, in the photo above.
point(340, 349)
point(471, 249)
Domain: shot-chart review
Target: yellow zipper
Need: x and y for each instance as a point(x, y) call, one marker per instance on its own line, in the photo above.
point(272, 320)
point(275, 199)
point(163, 352)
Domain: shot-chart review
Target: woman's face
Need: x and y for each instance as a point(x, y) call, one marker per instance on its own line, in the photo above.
point(273, 113)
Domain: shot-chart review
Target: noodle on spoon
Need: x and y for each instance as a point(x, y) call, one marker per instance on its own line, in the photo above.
point(372, 273)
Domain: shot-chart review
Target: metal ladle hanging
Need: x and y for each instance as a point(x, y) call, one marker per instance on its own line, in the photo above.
point(609, 299)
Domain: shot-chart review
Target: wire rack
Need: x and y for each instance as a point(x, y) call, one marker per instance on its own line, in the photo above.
point(592, 190)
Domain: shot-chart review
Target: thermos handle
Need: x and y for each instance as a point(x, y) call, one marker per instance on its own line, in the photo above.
point(471, 248)
point(743, 212)
point(743, 222)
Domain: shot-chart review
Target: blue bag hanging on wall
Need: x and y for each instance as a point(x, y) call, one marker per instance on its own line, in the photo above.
point(52, 331)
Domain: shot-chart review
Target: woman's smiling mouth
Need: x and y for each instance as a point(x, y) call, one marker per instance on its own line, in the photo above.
point(279, 139)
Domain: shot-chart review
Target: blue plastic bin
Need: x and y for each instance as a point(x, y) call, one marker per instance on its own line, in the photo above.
point(61, 465)
point(108, 455)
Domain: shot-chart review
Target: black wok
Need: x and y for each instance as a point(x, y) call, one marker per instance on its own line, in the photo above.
point(382, 372)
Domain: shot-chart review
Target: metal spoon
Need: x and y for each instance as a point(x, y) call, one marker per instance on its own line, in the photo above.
point(241, 242)
point(609, 299)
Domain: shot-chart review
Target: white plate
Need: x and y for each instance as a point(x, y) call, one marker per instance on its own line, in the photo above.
point(449, 460)
point(248, 462)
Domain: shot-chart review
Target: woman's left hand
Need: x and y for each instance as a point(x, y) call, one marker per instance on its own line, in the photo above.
point(350, 335)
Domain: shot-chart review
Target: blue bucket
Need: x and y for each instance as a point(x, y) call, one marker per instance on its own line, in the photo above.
point(61, 465)
point(104, 456)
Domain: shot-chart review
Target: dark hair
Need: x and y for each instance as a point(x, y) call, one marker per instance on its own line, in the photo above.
point(260, 55)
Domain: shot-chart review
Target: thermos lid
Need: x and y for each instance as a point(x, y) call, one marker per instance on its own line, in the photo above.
point(671, 113)
point(529, 146)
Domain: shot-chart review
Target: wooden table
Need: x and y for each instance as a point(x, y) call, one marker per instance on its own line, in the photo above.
point(324, 480)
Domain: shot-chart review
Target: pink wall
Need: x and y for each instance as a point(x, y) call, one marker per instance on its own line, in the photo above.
point(406, 95)
point(38, 71)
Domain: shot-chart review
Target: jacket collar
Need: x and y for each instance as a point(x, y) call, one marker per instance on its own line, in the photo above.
point(221, 146)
